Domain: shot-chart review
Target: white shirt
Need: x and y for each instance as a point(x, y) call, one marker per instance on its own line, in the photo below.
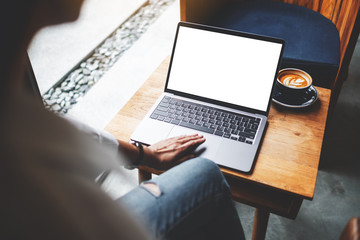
point(47, 178)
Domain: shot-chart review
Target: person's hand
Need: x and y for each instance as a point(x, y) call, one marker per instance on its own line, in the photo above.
point(170, 152)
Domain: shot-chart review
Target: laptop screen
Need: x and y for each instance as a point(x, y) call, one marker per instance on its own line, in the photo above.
point(233, 69)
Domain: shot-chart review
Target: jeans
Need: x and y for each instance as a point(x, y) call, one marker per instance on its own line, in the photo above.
point(195, 203)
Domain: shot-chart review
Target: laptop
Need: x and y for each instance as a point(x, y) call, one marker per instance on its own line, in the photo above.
point(219, 85)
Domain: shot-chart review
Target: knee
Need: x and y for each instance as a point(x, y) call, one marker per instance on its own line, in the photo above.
point(207, 171)
point(205, 166)
point(196, 176)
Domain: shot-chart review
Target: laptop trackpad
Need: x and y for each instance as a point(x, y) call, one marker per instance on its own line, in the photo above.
point(206, 150)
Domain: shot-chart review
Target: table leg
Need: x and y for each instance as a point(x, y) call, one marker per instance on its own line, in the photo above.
point(261, 220)
point(144, 176)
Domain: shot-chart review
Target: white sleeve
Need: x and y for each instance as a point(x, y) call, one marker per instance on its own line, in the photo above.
point(101, 136)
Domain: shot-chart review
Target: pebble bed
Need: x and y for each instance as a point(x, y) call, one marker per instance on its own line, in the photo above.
point(72, 87)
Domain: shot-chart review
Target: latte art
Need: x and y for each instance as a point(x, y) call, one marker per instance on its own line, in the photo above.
point(293, 80)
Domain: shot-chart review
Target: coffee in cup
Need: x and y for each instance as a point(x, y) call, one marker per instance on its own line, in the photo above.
point(294, 78)
point(293, 83)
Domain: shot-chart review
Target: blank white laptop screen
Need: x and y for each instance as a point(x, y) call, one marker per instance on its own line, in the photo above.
point(224, 67)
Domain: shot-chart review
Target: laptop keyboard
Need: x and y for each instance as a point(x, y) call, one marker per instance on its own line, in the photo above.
point(207, 119)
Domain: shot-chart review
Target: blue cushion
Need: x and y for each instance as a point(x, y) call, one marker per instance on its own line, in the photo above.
point(312, 41)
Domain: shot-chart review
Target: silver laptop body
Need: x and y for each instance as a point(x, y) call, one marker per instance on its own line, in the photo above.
point(216, 75)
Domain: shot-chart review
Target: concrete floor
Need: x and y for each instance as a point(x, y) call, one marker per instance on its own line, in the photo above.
point(337, 192)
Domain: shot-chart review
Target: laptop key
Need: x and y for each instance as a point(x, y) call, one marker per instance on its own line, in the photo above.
point(159, 108)
point(220, 129)
point(247, 130)
point(255, 126)
point(235, 132)
point(199, 123)
point(227, 135)
point(196, 127)
point(167, 120)
point(219, 133)
point(186, 119)
point(241, 124)
point(154, 116)
point(246, 120)
point(207, 125)
point(227, 130)
point(241, 129)
point(165, 105)
point(176, 122)
point(161, 113)
point(247, 135)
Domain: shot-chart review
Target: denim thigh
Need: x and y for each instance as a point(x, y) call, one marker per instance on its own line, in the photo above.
point(192, 201)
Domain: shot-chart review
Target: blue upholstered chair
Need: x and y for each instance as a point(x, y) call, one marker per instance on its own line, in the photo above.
point(320, 35)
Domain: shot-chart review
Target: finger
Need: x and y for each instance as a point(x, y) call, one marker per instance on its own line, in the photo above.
point(177, 138)
point(180, 137)
point(191, 145)
point(186, 136)
point(191, 137)
point(186, 148)
point(194, 141)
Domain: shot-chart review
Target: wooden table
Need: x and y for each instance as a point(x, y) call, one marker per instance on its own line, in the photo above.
point(287, 165)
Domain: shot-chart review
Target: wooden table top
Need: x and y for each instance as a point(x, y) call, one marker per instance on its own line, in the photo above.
point(289, 156)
